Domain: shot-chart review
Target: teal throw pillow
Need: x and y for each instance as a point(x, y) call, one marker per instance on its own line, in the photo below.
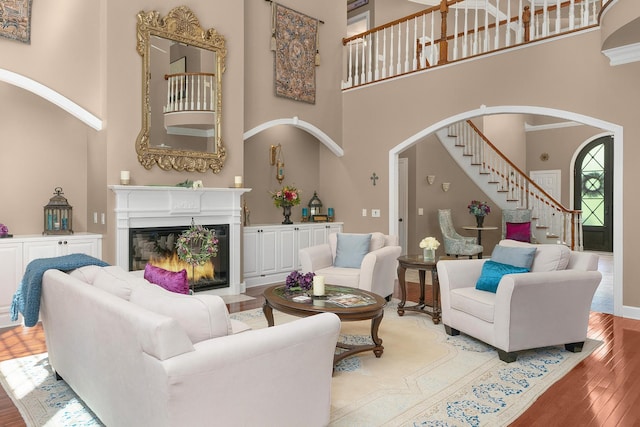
point(492, 272)
point(519, 257)
point(351, 249)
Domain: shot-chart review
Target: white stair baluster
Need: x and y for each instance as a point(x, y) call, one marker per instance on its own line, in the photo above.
point(486, 26)
point(406, 50)
point(558, 21)
point(391, 52)
point(496, 39)
point(356, 70)
point(399, 64)
point(384, 53)
point(455, 36)
point(414, 64)
point(507, 39)
point(363, 77)
point(369, 52)
point(433, 46)
point(423, 53)
point(572, 14)
point(465, 42)
point(545, 19)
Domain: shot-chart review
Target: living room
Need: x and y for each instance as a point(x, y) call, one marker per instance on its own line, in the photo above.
point(100, 70)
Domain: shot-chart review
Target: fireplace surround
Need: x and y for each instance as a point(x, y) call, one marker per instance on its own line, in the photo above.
point(163, 206)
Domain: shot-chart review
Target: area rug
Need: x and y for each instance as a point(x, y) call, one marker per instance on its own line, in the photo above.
point(424, 378)
point(427, 378)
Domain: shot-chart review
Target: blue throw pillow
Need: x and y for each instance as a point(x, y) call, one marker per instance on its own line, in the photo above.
point(492, 272)
point(351, 249)
point(519, 257)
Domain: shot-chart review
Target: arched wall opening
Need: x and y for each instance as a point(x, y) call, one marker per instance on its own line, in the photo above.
point(610, 128)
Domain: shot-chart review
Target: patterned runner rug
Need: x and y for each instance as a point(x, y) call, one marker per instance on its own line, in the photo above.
point(424, 378)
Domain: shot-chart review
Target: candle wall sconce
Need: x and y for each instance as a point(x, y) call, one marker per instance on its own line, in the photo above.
point(445, 186)
point(276, 159)
point(431, 179)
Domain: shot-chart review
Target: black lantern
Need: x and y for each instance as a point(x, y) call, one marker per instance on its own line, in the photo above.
point(58, 214)
point(315, 209)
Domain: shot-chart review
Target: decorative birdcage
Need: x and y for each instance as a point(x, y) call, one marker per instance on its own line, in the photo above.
point(58, 214)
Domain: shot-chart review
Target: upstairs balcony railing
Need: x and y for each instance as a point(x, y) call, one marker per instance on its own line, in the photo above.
point(190, 92)
point(561, 224)
point(456, 30)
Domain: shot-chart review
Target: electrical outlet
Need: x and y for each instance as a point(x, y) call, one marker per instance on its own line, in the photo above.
point(420, 211)
point(375, 213)
point(364, 212)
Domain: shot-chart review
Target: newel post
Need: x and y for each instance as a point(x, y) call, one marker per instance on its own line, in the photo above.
point(444, 44)
point(526, 22)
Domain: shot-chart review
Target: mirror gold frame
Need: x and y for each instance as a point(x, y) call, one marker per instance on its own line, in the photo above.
point(182, 26)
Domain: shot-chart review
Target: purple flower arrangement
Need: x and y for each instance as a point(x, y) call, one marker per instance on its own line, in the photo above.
point(297, 281)
point(4, 230)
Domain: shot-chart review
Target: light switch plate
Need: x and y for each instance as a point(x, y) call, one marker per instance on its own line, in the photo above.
point(420, 211)
point(375, 213)
point(364, 212)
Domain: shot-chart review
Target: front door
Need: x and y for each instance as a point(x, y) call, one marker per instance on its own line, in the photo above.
point(593, 193)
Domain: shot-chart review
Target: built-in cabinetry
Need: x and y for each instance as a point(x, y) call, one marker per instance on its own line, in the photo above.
point(271, 251)
point(18, 251)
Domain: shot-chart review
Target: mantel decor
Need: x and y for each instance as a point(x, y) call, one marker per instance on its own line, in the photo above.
point(15, 20)
point(295, 54)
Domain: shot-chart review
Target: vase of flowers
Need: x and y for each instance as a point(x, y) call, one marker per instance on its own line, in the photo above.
point(298, 282)
point(479, 210)
point(285, 198)
point(429, 246)
point(4, 231)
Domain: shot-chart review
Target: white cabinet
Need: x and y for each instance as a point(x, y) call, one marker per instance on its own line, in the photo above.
point(18, 251)
point(61, 245)
point(271, 251)
point(260, 249)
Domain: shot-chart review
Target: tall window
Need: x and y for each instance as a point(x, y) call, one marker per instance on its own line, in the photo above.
point(592, 191)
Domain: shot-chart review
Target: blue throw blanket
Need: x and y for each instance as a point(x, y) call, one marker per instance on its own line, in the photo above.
point(27, 298)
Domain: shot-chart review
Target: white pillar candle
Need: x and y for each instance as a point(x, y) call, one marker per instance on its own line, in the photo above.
point(125, 176)
point(318, 285)
point(238, 181)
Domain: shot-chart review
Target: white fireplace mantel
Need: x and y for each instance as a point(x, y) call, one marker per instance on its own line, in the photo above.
point(160, 206)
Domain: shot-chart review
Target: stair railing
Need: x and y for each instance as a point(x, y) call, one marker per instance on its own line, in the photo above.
point(421, 40)
point(563, 224)
point(190, 92)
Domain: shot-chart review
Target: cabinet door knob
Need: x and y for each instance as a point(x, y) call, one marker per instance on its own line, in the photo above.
point(59, 242)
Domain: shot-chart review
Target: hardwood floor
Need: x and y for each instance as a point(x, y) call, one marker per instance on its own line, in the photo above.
point(603, 390)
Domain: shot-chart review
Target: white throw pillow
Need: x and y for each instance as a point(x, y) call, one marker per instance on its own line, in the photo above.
point(549, 257)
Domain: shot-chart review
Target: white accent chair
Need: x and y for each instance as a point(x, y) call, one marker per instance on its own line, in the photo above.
point(546, 307)
point(377, 273)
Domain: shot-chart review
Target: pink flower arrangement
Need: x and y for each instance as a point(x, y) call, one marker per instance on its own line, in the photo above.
point(3, 230)
point(287, 196)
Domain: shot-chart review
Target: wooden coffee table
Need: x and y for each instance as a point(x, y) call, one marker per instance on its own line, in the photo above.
point(368, 306)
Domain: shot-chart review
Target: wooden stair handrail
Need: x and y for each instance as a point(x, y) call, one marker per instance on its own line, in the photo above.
point(517, 169)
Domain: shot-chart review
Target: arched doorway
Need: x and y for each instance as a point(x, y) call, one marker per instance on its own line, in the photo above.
point(593, 193)
point(610, 128)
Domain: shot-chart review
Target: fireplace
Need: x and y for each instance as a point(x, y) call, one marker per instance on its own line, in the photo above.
point(156, 246)
point(146, 207)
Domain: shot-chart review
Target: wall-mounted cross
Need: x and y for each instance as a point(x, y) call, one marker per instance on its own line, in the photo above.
point(374, 178)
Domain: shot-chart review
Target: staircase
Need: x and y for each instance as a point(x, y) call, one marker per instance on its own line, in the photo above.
point(509, 187)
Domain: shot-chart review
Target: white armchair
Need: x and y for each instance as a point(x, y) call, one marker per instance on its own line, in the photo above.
point(546, 307)
point(377, 272)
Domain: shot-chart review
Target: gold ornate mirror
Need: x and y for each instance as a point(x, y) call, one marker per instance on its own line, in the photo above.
point(182, 66)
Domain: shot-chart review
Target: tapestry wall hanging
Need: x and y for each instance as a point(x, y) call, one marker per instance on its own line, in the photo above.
point(295, 54)
point(15, 20)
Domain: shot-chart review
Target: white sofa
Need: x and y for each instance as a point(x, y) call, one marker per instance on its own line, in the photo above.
point(548, 306)
point(377, 272)
point(138, 355)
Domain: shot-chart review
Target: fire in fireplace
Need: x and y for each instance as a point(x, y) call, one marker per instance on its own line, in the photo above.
point(156, 245)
